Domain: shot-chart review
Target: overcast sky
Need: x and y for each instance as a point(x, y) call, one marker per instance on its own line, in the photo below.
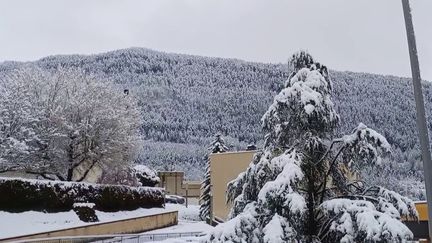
point(355, 35)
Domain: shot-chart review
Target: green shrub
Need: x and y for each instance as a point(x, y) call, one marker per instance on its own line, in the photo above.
point(85, 212)
point(18, 195)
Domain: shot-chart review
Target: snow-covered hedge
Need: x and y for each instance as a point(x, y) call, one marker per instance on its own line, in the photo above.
point(17, 195)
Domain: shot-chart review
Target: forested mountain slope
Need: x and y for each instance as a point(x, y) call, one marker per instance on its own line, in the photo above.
point(187, 99)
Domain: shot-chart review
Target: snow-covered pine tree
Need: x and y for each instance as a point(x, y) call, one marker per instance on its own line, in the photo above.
point(217, 146)
point(295, 191)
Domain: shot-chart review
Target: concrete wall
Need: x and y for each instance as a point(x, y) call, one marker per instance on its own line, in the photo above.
point(135, 225)
point(93, 176)
point(225, 167)
point(19, 174)
point(173, 182)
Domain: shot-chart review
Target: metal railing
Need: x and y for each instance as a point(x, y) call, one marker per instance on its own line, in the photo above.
point(152, 237)
point(124, 238)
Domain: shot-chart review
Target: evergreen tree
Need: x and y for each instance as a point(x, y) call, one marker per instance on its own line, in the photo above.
point(217, 146)
point(298, 189)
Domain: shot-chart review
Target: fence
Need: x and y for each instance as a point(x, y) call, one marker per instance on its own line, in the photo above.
point(124, 238)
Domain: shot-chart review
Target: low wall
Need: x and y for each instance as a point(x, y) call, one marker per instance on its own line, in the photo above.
point(134, 225)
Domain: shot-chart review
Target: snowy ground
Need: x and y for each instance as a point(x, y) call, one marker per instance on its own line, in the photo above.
point(30, 222)
point(15, 224)
point(188, 222)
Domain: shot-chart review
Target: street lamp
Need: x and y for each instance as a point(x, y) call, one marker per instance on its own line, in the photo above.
point(421, 118)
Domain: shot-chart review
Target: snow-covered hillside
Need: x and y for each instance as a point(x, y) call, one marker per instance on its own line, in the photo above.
point(187, 99)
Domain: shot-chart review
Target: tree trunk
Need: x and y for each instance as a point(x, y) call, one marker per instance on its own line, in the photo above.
point(311, 224)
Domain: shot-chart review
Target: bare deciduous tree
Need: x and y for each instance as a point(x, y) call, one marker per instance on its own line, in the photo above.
point(63, 124)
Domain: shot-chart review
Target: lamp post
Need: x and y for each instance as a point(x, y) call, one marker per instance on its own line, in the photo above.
point(421, 118)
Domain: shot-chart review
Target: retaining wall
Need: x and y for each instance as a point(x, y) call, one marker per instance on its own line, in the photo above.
point(134, 225)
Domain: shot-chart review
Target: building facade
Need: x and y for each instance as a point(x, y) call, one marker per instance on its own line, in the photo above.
point(174, 184)
point(225, 167)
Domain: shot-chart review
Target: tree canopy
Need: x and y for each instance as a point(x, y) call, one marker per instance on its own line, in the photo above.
point(60, 125)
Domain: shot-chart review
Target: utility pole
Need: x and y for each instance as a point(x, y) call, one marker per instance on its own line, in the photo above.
point(187, 193)
point(211, 206)
point(421, 117)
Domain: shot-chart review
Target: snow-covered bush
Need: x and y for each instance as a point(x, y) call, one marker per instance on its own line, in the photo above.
point(134, 175)
point(53, 196)
point(216, 146)
point(297, 188)
point(145, 175)
point(85, 212)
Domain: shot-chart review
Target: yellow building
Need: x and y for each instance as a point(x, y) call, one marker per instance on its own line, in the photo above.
point(420, 227)
point(174, 183)
point(225, 167)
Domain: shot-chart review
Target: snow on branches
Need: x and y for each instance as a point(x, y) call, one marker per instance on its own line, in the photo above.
point(360, 221)
point(243, 228)
point(302, 186)
point(304, 105)
point(281, 189)
point(60, 125)
point(366, 144)
point(278, 230)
